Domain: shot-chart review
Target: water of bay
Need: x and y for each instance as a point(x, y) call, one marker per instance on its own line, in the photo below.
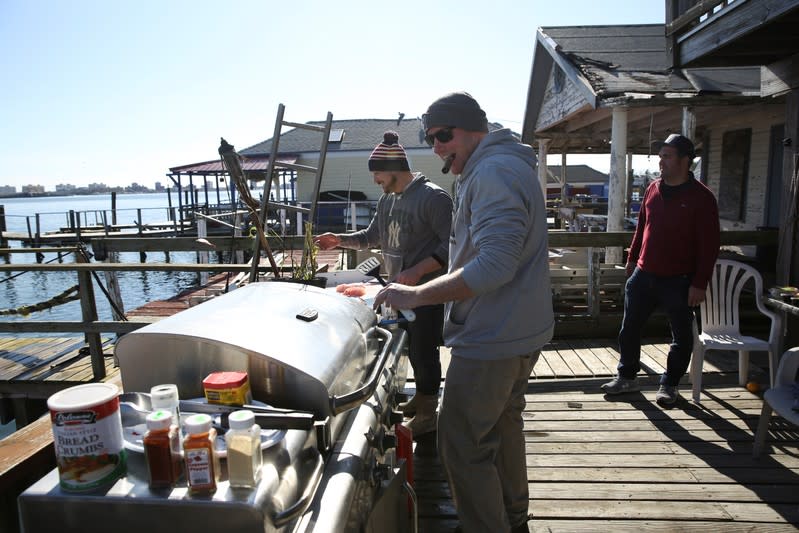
point(137, 288)
point(19, 289)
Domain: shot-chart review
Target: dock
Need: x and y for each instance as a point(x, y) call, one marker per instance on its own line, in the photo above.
point(622, 463)
point(599, 463)
point(594, 462)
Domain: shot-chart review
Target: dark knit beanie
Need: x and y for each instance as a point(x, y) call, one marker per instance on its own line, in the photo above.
point(455, 109)
point(389, 154)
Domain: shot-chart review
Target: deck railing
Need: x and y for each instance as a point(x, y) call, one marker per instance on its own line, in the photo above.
point(587, 284)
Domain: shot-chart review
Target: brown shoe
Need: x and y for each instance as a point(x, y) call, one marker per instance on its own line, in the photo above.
point(409, 408)
point(426, 418)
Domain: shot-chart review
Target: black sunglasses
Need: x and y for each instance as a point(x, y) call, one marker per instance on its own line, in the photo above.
point(443, 135)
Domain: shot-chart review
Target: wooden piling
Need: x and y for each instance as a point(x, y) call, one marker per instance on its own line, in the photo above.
point(114, 208)
point(88, 308)
point(3, 241)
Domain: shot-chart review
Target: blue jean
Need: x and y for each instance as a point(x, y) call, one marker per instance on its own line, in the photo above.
point(643, 293)
point(424, 338)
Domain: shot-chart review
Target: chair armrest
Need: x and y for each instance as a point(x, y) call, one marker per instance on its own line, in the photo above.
point(786, 372)
point(776, 320)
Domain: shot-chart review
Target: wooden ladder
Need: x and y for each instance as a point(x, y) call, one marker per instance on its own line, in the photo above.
point(317, 172)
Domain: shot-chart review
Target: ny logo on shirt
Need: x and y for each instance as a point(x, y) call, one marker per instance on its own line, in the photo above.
point(393, 234)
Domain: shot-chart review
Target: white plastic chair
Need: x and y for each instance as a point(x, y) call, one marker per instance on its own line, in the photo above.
point(779, 398)
point(721, 330)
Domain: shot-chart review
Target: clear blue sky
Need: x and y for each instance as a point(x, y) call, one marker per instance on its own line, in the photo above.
point(118, 91)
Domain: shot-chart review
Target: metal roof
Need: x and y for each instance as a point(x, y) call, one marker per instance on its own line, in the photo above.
point(577, 174)
point(248, 164)
point(359, 134)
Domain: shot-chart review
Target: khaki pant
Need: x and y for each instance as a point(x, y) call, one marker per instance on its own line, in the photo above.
point(481, 441)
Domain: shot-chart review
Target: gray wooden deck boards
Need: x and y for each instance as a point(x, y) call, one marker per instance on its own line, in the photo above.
point(44, 359)
point(598, 463)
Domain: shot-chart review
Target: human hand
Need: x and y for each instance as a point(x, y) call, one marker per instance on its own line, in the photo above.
point(327, 241)
point(396, 296)
point(408, 277)
point(695, 296)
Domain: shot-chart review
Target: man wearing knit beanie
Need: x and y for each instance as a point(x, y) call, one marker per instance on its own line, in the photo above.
point(411, 226)
point(498, 311)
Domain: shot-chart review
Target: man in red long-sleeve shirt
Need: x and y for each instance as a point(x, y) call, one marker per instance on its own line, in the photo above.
point(670, 262)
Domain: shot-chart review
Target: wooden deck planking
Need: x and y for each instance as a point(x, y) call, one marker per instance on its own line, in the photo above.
point(28, 352)
point(31, 359)
point(599, 463)
point(611, 464)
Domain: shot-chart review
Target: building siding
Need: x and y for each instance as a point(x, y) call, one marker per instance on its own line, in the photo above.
point(760, 119)
point(558, 105)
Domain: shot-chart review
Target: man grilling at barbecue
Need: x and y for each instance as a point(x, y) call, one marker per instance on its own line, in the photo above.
point(411, 227)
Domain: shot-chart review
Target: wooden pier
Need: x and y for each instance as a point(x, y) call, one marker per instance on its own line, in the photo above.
point(622, 463)
point(595, 463)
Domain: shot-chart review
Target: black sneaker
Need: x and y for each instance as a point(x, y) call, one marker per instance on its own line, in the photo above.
point(620, 385)
point(667, 395)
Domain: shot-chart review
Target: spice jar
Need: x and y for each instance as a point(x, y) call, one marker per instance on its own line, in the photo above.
point(162, 450)
point(243, 442)
point(166, 397)
point(202, 461)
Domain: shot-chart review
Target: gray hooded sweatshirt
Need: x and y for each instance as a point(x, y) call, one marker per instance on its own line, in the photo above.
point(500, 240)
point(409, 227)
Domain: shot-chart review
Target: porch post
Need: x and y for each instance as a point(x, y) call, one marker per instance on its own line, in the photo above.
point(788, 248)
point(689, 123)
point(628, 190)
point(543, 145)
point(618, 180)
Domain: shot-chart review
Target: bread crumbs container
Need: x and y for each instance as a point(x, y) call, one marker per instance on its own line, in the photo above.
point(87, 432)
point(228, 388)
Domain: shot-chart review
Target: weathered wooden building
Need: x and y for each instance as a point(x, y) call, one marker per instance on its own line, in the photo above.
point(763, 33)
point(612, 90)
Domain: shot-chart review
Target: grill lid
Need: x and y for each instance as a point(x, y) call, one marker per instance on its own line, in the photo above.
point(300, 345)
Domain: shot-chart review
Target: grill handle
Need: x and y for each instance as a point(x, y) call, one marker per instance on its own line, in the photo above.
point(339, 404)
point(297, 508)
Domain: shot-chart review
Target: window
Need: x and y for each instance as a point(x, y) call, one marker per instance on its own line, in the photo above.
point(558, 79)
point(336, 135)
point(734, 173)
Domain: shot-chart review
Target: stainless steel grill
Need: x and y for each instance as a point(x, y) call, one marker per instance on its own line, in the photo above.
point(336, 374)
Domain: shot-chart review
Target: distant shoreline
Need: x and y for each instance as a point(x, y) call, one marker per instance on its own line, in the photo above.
point(77, 193)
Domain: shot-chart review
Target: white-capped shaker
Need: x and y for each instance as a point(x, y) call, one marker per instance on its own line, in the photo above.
point(166, 397)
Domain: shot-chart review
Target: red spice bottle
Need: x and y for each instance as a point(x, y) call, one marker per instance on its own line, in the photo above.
point(162, 450)
point(202, 461)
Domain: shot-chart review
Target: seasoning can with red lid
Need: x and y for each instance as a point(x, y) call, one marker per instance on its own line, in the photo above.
point(228, 388)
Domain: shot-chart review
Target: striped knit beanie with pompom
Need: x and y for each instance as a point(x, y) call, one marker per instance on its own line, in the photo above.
point(389, 154)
